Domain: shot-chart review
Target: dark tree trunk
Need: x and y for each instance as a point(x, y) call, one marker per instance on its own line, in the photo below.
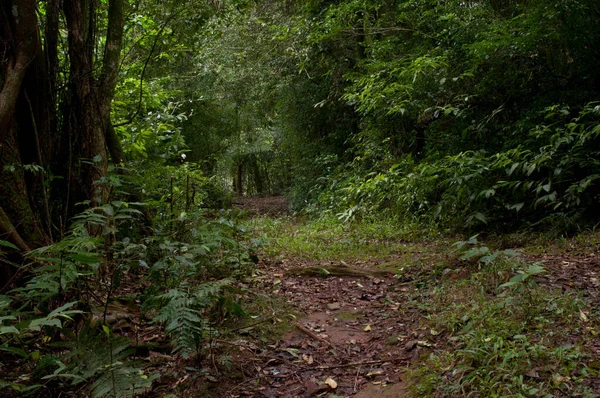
point(87, 110)
point(239, 178)
point(37, 134)
point(21, 50)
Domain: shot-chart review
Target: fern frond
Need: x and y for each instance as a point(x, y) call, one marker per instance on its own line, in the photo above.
point(122, 381)
point(184, 317)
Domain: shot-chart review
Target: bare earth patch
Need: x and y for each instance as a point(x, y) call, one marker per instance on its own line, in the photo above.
point(270, 205)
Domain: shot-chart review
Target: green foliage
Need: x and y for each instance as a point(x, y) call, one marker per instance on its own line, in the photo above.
point(330, 239)
point(442, 112)
point(549, 178)
point(184, 313)
point(103, 358)
point(191, 265)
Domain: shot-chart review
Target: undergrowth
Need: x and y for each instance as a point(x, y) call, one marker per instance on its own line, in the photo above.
point(76, 324)
point(507, 336)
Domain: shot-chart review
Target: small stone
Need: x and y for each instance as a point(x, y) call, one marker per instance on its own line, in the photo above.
point(410, 345)
point(334, 306)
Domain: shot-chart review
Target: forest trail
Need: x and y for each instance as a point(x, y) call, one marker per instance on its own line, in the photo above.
point(265, 205)
point(343, 341)
point(358, 327)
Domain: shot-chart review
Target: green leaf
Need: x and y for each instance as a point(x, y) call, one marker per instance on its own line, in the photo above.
point(9, 329)
point(37, 324)
point(8, 244)
point(60, 311)
point(16, 350)
point(108, 210)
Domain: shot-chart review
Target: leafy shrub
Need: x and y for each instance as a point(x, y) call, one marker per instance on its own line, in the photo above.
point(53, 323)
point(551, 177)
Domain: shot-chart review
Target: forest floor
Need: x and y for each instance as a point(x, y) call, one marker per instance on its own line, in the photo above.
point(341, 314)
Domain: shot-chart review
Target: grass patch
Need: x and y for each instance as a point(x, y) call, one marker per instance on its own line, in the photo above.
point(329, 239)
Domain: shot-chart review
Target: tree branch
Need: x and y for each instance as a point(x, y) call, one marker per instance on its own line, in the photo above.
point(139, 105)
point(8, 229)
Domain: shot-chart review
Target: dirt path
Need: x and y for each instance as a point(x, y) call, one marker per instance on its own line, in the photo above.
point(269, 205)
point(358, 328)
point(347, 340)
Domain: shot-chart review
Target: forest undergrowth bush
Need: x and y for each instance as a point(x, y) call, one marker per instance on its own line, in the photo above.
point(177, 269)
point(549, 181)
point(506, 335)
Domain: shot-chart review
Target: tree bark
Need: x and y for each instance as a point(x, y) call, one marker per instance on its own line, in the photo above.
point(89, 123)
point(20, 190)
point(21, 30)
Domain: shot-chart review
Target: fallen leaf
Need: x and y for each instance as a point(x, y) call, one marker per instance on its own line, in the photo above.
point(424, 343)
point(533, 374)
point(292, 351)
point(434, 332)
point(561, 379)
point(375, 373)
point(367, 328)
point(212, 379)
point(311, 388)
point(308, 359)
point(331, 383)
point(410, 345)
point(583, 316)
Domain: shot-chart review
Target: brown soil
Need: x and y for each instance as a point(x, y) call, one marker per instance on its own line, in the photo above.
point(271, 205)
point(357, 331)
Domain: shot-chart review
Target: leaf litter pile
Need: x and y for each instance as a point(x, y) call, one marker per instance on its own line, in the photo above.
point(350, 334)
point(359, 329)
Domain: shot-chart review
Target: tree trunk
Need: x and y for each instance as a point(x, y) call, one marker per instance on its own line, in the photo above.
point(88, 114)
point(19, 189)
point(19, 41)
point(239, 178)
point(31, 142)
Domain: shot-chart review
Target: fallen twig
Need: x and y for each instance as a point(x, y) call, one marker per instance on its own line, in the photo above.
point(348, 365)
point(356, 379)
point(311, 334)
point(252, 324)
